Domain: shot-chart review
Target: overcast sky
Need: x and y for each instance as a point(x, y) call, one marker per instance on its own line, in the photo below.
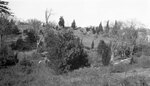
point(85, 12)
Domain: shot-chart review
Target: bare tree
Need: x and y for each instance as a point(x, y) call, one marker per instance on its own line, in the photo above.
point(47, 15)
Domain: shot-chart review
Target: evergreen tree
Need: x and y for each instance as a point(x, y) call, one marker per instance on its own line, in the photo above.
point(104, 52)
point(73, 25)
point(107, 28)
point(92, 45)
point(100, 28)
point(115, 28)
point(61, 22)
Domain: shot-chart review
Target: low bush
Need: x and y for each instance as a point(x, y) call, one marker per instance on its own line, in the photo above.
point(7, 57)
point(21, 45)
point(65, 51)
point(32, 36)
point(26, 44)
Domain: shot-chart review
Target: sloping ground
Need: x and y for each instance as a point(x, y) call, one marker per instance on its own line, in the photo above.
point(137, 72)
point(88, 77)
point(41, 75)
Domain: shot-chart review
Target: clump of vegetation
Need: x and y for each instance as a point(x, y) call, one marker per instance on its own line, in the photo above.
point(7, 57)
point(28, 43)
point(61, 22)
point(32, 37)
point(65, 52)
point(104, 52)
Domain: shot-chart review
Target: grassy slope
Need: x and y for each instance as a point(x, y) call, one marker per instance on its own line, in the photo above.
point(43, 76)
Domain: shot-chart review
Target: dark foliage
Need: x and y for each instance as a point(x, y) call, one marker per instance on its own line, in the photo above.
point(100, 28)
point(88, 29)
point(15, 30)
point(18, 45)
point(92, 45)
point(8, 27)
point(137, 49)
point(22, 45)
point(107, 28)
point(65, 52)
point(73, 25)
point(93, 30)
point(61, 22)
point(7, 57)
point(31, 36)
point(105, 52)
point(127, 52)
point(28, 43)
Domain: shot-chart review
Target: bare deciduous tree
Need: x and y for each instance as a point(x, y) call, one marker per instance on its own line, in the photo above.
point(47, 15)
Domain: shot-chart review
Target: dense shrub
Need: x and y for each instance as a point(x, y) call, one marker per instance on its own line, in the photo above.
point(7, 57)
point(31, 36)
point(26, 44)
point(65, 52)
point(15, 30)
point(105, 52)
point(21, 45)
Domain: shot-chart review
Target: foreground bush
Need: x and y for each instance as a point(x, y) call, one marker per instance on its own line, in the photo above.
point(7, 57)
point(65, 52)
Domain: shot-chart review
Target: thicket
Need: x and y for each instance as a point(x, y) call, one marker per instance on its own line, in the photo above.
point(28, 43)
point(65, 52)
point(7, 57)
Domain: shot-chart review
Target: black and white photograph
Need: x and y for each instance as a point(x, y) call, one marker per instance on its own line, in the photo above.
point(74, 42)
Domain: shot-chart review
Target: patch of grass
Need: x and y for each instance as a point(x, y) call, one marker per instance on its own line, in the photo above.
point(144, 62)
point(119, 68)
point(134, 81)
